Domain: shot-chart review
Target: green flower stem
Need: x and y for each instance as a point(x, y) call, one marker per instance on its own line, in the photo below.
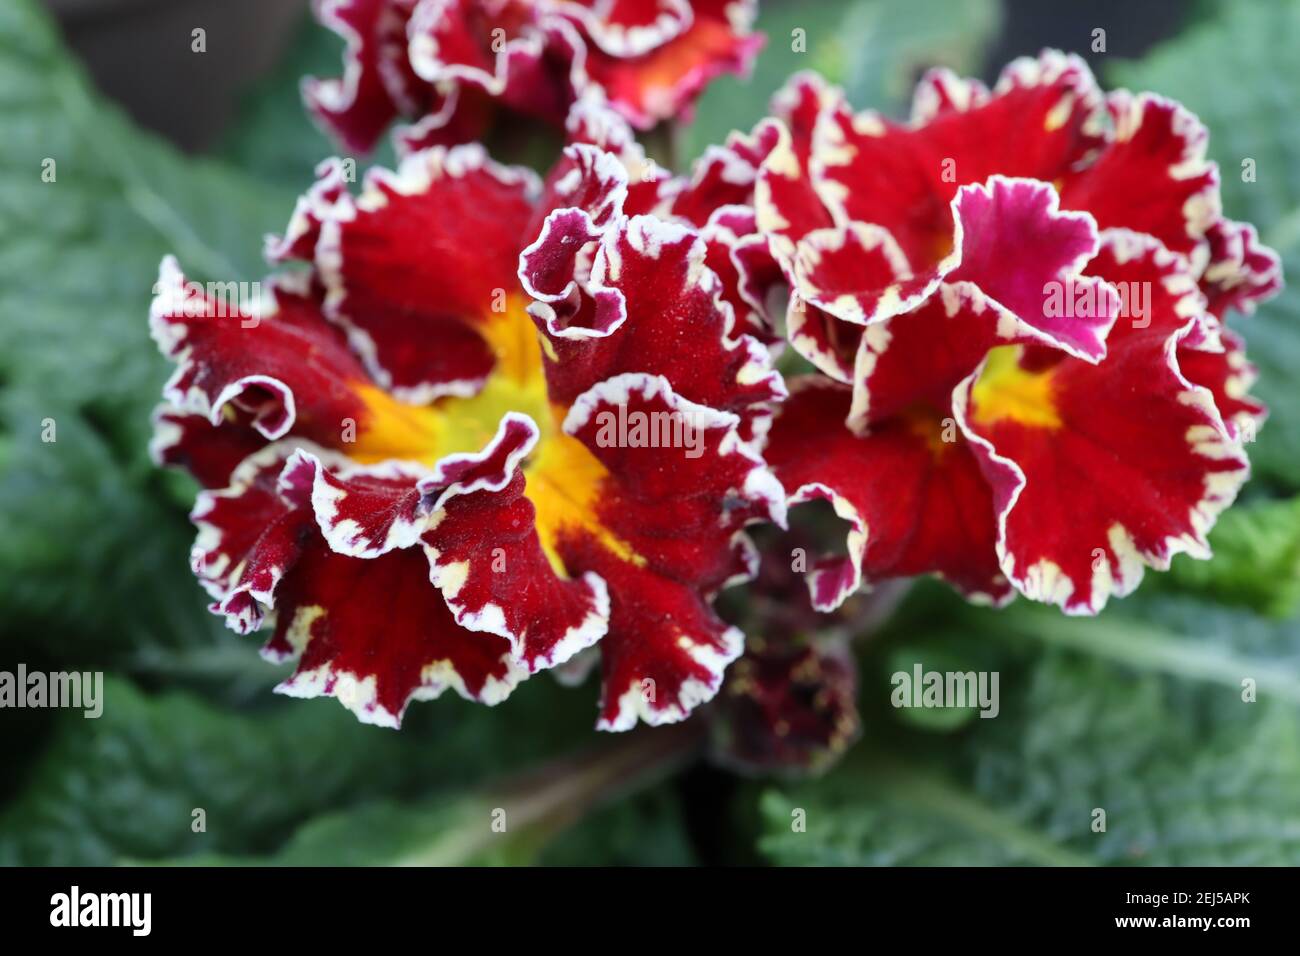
point(541, 804)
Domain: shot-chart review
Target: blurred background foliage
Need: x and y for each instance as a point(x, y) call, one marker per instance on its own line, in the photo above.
point(1138, 712)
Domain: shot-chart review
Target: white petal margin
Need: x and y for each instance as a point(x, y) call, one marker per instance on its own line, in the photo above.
point(219, 577)
point(358, 694)
point(415, 174)
point(344, 535)
point(1045, 581)
point(633, 705)
point(673, 19)
point(173, 296)
point(760, 485)
point(450, 576)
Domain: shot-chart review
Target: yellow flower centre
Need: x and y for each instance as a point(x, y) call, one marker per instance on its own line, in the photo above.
point(1006, 391)
point(563, 477)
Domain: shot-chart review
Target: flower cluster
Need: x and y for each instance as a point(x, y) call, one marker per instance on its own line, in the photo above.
point(485, 423)
point(428, 489)
point(1013, 303)
point(450, 66)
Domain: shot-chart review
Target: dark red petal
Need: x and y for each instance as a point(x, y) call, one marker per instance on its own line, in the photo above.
point(668, 519)
point(419, 266)
point(628, 28)
point(321, 202)
point(1127, 465)
point(915, 502)
point(785, 197)
point(858, 274)
point(650, 186)
point(725, 175)
point(281, 365)
point(250, 534)
point(587, 178)
point(1160, 293)
point(1153, 177)
point(1157, 288)
point(511, 53)
point(362, 511)
point(1042, 119)
point(377, 85)
point(915, 360)
point(682, 480)
point(826, 341)
point(941, 91)
point(487, 557)
point(208, 452)
point(1242, 272)
point(1220, 365)
point(651, 306)
point(1011, 242)
point(376, 635)
point(663, 82)
point(740, 258)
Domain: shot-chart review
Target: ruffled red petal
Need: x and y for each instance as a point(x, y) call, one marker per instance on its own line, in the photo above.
point(1152, 177)
point(276, 364)
point(422, 263)
point(1219, 364)
point(649, 305)
point(663, 80)
point(1040, 121)
point(378, 84)
point(914, 501)
point(1242, 272)
point(1098, 470)
point(376, 661)
point(682, 485)
point(785, 195)
point(271, 543)
point(208, 452)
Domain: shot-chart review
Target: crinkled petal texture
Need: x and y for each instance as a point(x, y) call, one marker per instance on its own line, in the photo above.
point(421, 485)
point(451, 65)
point(1013, 303)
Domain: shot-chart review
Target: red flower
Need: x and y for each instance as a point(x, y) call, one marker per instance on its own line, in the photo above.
point(422, 488)
point(1013, 302)
point(450, 64)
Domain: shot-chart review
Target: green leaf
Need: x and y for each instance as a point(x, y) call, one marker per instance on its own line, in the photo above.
point(480, 829)
point(876, 49)
point(456, 831)
point(1240, 74)
point(125, 785)
point(888, 46)
point(1256, 560)
point(88, 206)
point(1186, 771)
point(646, 830)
